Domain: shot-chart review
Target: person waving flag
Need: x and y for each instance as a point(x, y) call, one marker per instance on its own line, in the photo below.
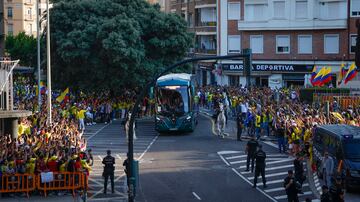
point(342, 73)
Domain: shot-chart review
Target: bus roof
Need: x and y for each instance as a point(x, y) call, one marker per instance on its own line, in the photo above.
point(174, 79)
point(341, 130)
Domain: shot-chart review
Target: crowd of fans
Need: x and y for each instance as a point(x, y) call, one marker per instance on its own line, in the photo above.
point(59, 146)
point(278, 112)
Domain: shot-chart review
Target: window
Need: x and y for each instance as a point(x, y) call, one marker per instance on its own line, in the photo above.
point(304, 44)
point(301, 9)
point(355, 8)
point(190, 20)
point(282, 44)
point(353, 43)
point(333, 10)
point(10, 29)
point(234, 44)
point(257, 43)
point(331, 44)
point(10, 12)
point(208, 16)
point(234, 11)
point(255, 12)
point(279, 9)
point(29, 11)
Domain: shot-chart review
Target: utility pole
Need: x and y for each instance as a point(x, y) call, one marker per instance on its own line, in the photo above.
point(38, 51)
point(48, 62)
point(2, 30)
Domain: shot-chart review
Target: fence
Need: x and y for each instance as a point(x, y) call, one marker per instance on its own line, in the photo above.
point(343, 101)
point(57, 181)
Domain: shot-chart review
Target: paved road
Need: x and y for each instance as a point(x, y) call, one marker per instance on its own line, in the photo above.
point(103, 137)
point(187, 167)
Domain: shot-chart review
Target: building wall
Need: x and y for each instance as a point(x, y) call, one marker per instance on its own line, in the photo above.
point(22, 20)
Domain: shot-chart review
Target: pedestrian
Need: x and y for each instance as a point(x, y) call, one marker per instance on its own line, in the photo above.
point(299, 169)
point(280, 133)
point(325, 196)
point(239, 125)
point(290, 187)
point(336, 190)
point(109, 169)
point(327, 166)
point(90, 158)
point(250, 151)
point(260, 157)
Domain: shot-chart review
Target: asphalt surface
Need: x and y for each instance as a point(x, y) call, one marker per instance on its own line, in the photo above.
point(187, 167)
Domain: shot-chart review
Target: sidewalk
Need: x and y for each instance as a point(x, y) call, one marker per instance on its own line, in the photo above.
point(37, 198)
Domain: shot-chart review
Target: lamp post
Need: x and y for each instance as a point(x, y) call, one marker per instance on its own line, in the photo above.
point(38, 52)
point(131, 193)
point(48, 62)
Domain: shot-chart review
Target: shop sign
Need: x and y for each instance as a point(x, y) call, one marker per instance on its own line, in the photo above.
point(269, 67)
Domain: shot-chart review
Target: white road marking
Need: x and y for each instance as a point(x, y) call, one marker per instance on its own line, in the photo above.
point(272, 175)
point(281, 188)
point(224, 159)
point(236, 162)
point(285, 196)
point(235, 157)
point(229, 152)
point(97, 132)
point(148, 147)
point(100, 158)
point(118, 156)
point(246, 180)
point(280, 161)
point(279, 167)
point(271, 144)
point(274, 181)
point(196, 196)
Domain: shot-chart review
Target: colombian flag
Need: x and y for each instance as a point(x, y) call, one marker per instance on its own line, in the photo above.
point(342, 73)
point(326, 78)
point(351, 73)
point(63, 97)
point(317, 79)
point(313, 74)
point(42, 88)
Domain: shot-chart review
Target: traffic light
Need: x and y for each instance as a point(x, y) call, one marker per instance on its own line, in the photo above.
point(357, 48)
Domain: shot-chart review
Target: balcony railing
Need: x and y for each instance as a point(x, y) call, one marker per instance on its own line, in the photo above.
point(205, 51)
point(206, 24)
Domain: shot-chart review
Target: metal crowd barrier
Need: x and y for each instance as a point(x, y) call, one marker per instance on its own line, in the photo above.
point(58, 181)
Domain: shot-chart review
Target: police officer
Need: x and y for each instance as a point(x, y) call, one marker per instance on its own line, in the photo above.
point(325, 196)
point(336, 191)
point(291, 187)
point(251, 150)
point(109, 168)
point(260, 157)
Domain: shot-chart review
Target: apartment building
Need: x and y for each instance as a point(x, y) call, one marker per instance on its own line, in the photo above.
point(164, 4)
point(287, 37)
point(20, 16)
point(201, 17)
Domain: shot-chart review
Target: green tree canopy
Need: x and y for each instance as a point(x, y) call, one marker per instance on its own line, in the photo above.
point(110, 44)
point(22, 47)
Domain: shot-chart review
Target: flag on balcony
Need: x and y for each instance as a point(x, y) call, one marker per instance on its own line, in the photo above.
point(326, 78)
point(342, 73)
point(317, 79)
point(351, 73)
point(313, 74)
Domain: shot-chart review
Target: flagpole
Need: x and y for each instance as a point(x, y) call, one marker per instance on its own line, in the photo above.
point(48, 63)
point(38, 52)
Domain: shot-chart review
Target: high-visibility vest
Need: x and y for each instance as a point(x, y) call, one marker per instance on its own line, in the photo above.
point(258, 121)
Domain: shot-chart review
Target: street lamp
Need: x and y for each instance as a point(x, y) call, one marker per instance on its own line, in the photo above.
point(247, 63)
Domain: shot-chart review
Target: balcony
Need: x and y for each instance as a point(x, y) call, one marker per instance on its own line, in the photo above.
point(205, 51)
point(30, 17)
point(307, 24)
point(206, 24)
point(29, 2)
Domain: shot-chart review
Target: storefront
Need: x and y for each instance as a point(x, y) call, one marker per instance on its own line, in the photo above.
point(205, 74)
point(264, 74)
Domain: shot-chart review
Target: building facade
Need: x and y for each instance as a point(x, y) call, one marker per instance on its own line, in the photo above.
point(201, 18)
point(287, 37)
point(20, 16)
point(164, 4)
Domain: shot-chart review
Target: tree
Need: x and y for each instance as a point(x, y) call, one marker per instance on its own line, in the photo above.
point(110, 44)
point(22, 47)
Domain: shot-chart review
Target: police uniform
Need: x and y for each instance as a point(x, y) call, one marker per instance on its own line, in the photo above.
point(109, 168)
point(260, 157)
point(251, 150)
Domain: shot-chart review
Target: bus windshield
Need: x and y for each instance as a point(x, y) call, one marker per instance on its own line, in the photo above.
point(172, 100)
point(352, 149)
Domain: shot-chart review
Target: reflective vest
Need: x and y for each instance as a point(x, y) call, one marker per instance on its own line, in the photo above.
point(258, 121)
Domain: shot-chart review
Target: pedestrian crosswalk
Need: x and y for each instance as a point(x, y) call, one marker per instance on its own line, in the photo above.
point(276, 169)
point(112, 137)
